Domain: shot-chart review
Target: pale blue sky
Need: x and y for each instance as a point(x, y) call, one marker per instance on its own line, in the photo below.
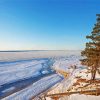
point(46, 24)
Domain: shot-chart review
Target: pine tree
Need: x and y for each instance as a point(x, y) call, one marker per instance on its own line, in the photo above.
point(91, 54)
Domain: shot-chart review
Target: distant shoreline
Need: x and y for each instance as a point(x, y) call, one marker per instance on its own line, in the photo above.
point(33, 50)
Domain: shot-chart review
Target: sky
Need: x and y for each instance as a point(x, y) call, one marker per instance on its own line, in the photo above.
point(46, 24)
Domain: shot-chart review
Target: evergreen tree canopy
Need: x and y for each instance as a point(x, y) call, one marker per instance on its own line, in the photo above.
point(91, 53)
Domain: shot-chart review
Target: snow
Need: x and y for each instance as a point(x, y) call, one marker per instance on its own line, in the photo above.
point(16, 71)
point(9, 89)
point(44, 72)
point(35, 88)
point(65, 85)
point(16, 66)
point(17, 56)
point(78, 97)
point(83, 97)
point(66, 63)
point(23, 65)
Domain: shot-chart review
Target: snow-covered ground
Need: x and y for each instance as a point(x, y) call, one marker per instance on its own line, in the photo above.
point(35, 88)
point(68, 64)
point(24, 71)
point(20, 70)
point(82, 97)
point(29, 73)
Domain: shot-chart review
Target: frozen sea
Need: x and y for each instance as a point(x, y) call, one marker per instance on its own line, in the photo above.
point(26, 74)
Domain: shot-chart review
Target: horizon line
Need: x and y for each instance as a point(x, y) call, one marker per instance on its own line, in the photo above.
point(36, 50)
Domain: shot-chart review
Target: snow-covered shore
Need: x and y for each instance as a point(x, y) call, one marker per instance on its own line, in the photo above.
point(35, 88)
point(15, 66)
point(72, 65)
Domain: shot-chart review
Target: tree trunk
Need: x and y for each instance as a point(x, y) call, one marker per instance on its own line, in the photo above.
point(93, 71)
point(94, 74)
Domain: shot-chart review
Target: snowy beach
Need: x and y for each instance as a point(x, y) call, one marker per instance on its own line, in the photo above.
point(20, 70)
